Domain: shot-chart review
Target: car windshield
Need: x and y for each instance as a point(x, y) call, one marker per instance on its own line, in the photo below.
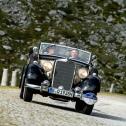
point(65, 52)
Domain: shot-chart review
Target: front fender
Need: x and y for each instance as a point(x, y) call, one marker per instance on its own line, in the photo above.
point(35, 74)
point(91, 84)
point(89, 98)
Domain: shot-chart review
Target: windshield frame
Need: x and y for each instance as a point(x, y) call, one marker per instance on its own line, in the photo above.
point(57, 56)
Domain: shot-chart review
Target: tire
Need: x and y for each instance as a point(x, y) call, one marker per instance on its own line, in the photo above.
point(88, 109)
point(79, 106)
point(22, 81)
point(23, 74)
point(28, 94)
point(82, 107)
point(22, 91)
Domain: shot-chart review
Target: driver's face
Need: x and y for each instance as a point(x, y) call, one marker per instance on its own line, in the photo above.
point(51, 51)
point(74, 53)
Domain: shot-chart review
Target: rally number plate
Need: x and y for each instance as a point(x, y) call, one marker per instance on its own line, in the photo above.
point(61, 92)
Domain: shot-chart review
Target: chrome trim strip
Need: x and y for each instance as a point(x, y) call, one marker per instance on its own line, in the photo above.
point(54, 69)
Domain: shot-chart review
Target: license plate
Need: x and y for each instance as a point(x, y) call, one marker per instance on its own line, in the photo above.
point(61, 92)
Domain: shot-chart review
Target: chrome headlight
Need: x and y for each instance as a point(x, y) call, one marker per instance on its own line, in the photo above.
point(83, 73)
point(47, 66)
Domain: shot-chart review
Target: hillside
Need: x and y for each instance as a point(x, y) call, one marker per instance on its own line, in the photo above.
point(95, 25)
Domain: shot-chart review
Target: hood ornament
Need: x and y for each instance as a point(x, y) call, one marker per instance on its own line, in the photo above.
point(61, 87)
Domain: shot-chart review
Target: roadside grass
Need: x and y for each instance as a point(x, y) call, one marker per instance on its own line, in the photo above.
point(111, 94)
point(8, 87)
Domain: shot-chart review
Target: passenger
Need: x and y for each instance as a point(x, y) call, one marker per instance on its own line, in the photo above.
point(74, 53)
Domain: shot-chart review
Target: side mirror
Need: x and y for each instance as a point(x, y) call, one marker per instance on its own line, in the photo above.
point(94, 57)
point(93, 61)
point(35, 50)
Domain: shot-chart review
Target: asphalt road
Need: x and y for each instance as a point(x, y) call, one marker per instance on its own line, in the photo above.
point(108, 111)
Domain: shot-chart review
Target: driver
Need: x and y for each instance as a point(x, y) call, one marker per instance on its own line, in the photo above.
point(50, 50)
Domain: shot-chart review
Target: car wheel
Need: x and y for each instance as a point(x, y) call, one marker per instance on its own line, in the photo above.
point(22, 81)
point(28, 94)
point(87, 109)
point(82, 107)
point(79, 106)
point(22, 91)
point(23, 73)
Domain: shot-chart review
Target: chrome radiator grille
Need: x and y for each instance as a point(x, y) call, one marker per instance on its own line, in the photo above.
point(63, 74)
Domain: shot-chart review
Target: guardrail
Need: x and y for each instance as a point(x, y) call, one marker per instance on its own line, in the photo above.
point(4, 80)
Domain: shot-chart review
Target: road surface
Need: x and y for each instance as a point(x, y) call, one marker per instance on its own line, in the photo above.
point(42, 111)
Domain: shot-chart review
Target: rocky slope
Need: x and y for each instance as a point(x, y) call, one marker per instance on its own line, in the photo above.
point(95, 25)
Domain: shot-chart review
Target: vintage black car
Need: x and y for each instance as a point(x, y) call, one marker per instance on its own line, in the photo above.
point(62, 73)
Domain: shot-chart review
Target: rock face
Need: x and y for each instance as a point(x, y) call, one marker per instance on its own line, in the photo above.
point(95, 25)
point(2, 33)
point(16, 12)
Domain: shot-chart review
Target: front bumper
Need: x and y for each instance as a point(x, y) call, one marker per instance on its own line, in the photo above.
point(51, 90)
point(63, 93)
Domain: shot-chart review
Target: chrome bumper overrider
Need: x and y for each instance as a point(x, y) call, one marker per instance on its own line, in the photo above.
point(36, 87)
